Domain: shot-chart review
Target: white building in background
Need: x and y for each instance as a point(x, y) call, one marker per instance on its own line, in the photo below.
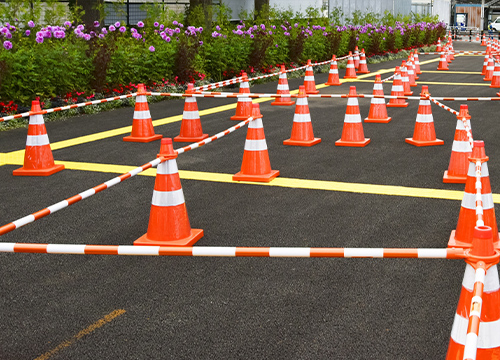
point(238, 6)
point(441, 8)
point(377, 6)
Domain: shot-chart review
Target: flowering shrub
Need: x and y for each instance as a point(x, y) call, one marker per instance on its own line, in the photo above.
point(53, 60)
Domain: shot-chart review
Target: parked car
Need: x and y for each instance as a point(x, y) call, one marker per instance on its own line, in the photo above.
point(495, 25)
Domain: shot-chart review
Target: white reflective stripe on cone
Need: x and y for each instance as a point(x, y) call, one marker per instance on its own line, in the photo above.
point(309, 68)
point(282, 76)
point(489, 333)
point(397, 88)
point(142, 115)
point(167, 198)
point(309, 78)
point(484, 170)
point(244, 99)
point(256, 124)
point(490, 280)
point(352, 101)
point(190, 99)
point(377, 101)
point(461, 126)
point(352, 118)
point(461, 146)
point(36, 120)
point(469, 201)
point(37, 140)
point(350, 66)
point(141, 99)
point(282, 87)
point(425, 118)
point(302, 101)
point(333, 71)
point(244, 85)
point(378, 86)
point(168, 167)
point(255, 145)
point(190, 115)
point(302, 118)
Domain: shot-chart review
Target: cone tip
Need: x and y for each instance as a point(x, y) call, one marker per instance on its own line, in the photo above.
point(166, 141)
point(483, 232)
point(478, 143)
point(352, 91)
point(378, 77)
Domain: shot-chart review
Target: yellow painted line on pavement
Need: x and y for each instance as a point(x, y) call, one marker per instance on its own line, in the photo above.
point(451, 72)
point(373, 189)
point(100, 323)
point(2, 159)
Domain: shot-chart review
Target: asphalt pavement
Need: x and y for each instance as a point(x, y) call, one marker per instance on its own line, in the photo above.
point(59, 306)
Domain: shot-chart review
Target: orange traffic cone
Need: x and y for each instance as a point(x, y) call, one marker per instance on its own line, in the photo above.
point(142, 125)
point(38, 159)
point(483, 40)
point(302, 130)
point(309, 82)
point(462, 236)
point(477, 37)
point(489, 70)
point(460, 151)
point(191, 124)
point(485, 63)
point(443, 64)
point(424, 133)
point(256, 165)
point(405, 80)
point(438, 47)
point(484, 310)
point(333, 74)
point(283, 90)
point(352, 132)
point(495, 80)
point(363, 68)
point(397, 90)
point(488, 46)
point(411, 71)
point(244, 105)
point(378, 109)
point(356, 58)
point(350, 72)
point(168, 218)
point(417, 64)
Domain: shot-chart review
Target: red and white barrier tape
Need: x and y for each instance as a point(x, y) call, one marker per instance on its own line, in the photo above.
point(443, 106)
point(67, 107)
point(470, 349)
point(215, 137)
point(96, 189)
point(74, 199)
point(389, 78)
point(219, 84)
point(303, 252)
point(479, 198)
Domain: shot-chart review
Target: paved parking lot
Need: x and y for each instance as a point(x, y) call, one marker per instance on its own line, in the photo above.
point(110, 307)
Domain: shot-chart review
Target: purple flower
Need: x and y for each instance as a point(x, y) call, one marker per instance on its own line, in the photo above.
point(177, 30)
point(59, 34)
point(270, 32)
point(8, 35)
point(152, 48)
point(140, 24)
point(175, 22)
point(156, 24)
point(201, 42)
point(263, 27)
point(80, 27)
point(7, 45)
point(39, 40)
point(167, 39)
point(67, 24)
point(123, 29)
point(251, 36)
point(104, 31)
point(117, 24)
point(86, 37)
point(180, 25)
point(31, 24)
point(133, 30)
point(96, 24)
point(162, 27)
point(101, 36)
point(27, 33)
point(112, 28)
point(217, 28)
point(276, 45)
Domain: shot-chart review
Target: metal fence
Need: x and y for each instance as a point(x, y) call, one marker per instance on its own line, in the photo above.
point(132, 11)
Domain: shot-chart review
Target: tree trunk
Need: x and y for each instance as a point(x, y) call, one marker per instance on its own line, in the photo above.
point(92, 13)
